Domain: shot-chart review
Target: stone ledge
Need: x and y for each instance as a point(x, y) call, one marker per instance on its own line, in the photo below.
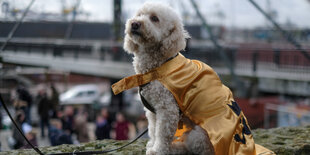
point(283, 141)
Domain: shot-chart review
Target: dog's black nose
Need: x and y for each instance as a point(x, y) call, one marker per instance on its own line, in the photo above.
point(135, 25)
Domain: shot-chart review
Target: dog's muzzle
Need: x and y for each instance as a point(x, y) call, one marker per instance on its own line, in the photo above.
point(135, 26)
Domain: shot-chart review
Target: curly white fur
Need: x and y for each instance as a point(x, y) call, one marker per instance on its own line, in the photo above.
point(154, 35)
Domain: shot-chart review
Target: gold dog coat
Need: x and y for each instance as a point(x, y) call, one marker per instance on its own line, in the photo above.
point(203, 98)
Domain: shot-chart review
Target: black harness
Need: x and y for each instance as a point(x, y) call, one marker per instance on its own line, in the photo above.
point(144, 101)
point(152, 109)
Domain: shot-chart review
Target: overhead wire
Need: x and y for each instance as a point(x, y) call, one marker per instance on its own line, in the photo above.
point(13, 30)
point(70, 26)
point(237, 84)
point(286, 35)
point(9, 37)
point(19, 130)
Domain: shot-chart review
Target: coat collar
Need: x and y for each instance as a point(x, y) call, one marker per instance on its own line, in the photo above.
point(140, 79)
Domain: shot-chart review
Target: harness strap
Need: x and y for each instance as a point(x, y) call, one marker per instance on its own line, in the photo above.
point(152, 109)
point(144, 101)
point(147, 105)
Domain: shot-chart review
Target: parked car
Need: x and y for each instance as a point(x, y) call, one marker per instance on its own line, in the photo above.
point(105, 99)
point(81, 94)
point(93, 99)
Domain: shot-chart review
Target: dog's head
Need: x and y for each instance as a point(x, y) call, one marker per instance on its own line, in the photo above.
point(155, 26)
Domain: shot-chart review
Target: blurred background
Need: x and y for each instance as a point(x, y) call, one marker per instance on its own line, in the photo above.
point(58, 59)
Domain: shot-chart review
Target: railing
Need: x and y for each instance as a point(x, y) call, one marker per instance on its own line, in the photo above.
point(247, 60)
point(269, 62)
point(286, 115)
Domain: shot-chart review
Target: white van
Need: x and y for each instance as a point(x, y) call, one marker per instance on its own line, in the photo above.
point(81, 94)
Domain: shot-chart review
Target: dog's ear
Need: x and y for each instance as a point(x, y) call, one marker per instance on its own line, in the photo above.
point(176, 40)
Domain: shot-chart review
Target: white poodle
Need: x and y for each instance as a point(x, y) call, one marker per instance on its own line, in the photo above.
point(216, 125)
point(154, 35)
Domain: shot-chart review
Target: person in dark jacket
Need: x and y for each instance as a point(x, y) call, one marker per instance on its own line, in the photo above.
point(44, 108)
point(103, 126)
point(19, 140)
point(80, 126)
point(24, 96)
point(56, 135)
point(54, 100)
point(68, 119)
point(31, 136)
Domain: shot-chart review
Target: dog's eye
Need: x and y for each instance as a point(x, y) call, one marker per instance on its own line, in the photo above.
point(154, 18)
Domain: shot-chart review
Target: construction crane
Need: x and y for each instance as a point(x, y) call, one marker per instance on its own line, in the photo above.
point(66, 11)
point(9, 10)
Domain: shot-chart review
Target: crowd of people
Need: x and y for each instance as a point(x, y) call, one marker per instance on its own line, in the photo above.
point(66, 124)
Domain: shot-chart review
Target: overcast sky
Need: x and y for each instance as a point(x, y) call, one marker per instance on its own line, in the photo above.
point(238, 13)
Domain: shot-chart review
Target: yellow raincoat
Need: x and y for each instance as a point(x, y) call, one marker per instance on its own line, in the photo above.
point(203, 98)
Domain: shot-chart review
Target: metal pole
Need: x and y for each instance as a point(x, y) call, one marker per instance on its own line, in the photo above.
point(266, 116)
point(117, 10)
